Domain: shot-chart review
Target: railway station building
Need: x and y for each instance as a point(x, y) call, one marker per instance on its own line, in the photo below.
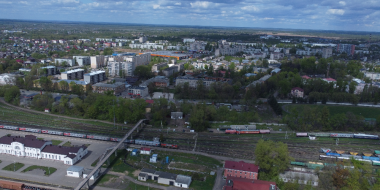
point(30, 146)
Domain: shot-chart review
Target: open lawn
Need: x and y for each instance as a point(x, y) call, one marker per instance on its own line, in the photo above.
point(56, 142)
point(204, 185)
point(48, 170)
point(367, 112)
point(14, 167)
point(67, 144)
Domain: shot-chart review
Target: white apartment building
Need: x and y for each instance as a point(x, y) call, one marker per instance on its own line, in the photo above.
point(82, 60)
point(146, 46)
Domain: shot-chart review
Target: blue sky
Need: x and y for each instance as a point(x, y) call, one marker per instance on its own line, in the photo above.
point(351, 15)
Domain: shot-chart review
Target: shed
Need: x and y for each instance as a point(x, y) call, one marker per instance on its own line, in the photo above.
point(134, 152)
point(182, 181)
point(47, 110)
point(150, 174)
point(153, 159)
point(75, 171)
point(143, 177)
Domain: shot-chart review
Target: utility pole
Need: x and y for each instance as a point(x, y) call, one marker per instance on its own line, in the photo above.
point(114, 123)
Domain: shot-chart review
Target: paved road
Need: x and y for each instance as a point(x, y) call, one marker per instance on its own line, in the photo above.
point(219, 181)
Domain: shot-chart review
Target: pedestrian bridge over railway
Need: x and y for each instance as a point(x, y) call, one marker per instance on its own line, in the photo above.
point(106, 157)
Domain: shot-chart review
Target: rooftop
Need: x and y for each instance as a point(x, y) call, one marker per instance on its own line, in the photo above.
point(114, 85)
point(166, 175)
point(28, 141)
point(183, 179)
point(243, 166)
point(237, 183)
point(75, 168)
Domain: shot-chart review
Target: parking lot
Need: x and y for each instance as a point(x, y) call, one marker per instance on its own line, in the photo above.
point(95, 150)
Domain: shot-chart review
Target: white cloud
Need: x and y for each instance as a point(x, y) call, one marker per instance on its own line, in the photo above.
point(156, 6)
point(250, 8)
point(336, 11)
point(202, 4)
point(177, 3)
point(342, 3)
point(67, 1)
point(266, 18)
point(94, 4)
point(24, 2)
point(119, 3)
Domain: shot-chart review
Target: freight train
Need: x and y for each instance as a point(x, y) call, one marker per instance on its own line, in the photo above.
point(18, 186)
point(234, 131)
point(339, 135)
point(155, 142)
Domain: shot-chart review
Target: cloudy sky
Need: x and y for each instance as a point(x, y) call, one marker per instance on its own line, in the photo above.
point(349, 15)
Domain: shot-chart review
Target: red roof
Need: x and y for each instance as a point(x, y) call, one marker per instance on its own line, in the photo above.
point(305, 77)
point(297, 88)
point(149, 101)
point(145, 148)
point(241, 166)
point(248, 184)
point(329, 79)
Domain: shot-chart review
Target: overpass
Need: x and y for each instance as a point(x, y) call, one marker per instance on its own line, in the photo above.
point(105, 158)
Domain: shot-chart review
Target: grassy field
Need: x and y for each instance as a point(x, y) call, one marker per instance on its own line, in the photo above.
point(204, 185)
point(105, 178)
point(56, 142)
point(48, 170)
point(67, 144)
point(367, 112)
point(14, 167)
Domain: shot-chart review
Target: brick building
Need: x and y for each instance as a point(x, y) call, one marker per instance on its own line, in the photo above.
point(297, 92)
point(240, 169)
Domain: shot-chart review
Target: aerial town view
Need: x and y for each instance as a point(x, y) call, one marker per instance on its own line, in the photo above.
point(198, 95)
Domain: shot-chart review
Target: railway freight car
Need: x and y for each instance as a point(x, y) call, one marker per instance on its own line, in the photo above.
point(11, 185)
point(248, 132)
point(230, 131)
point(169, 145)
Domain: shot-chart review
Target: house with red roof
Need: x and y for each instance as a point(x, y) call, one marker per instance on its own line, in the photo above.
point(237, 183)
point(329, 80)
point(240, 169)
point(297, 92)
point(306, 77)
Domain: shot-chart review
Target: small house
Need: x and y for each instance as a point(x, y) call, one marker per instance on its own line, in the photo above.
point(177, 115)
point(75, 171)
point(145, 150)
point(47, 110)
point(297, 92)
point(146, 174)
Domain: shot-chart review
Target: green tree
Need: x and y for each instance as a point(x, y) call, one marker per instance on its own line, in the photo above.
point(272, 157)
point(12, 95)
point(143, 71)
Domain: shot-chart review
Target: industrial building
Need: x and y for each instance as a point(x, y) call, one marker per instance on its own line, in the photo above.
point(95, 77)
point(82, 60)
point(51, 70)
point(75, 74)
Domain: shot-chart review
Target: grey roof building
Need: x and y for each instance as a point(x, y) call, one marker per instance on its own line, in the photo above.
point(182, 181)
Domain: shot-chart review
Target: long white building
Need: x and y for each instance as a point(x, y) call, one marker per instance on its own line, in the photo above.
point(30, 146)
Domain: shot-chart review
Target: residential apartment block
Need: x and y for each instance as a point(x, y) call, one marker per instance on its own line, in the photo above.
point(157, 67)
point(121, 69)
point(327, 52)
point(70, 62)
point(51, 70)
point(72, 74)
point(138, 91)
point(82, 60)
point(117, 88)
point(347, 48)
point(95, 77)
point(97, 61)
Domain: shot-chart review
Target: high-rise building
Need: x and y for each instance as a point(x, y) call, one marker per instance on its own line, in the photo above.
point(347, 48)
point(121, 69)
point(327, 52)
